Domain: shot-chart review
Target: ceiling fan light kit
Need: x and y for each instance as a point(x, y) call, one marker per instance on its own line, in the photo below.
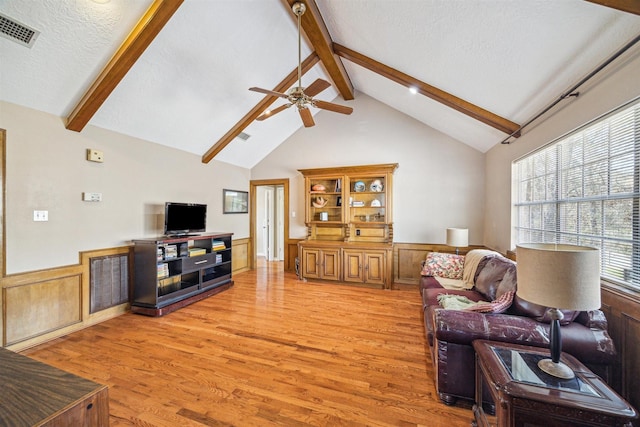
point(297, 95)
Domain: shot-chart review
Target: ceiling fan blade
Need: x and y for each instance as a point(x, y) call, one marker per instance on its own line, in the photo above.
point(269, 92)
point(307, 117)
point(333, 107)
point(316, 87)
point(270, 113)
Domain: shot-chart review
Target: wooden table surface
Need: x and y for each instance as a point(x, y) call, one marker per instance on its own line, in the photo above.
point(33, 393)
point(584, 400)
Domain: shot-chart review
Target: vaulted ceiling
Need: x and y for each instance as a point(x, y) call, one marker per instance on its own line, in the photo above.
point(177, 72)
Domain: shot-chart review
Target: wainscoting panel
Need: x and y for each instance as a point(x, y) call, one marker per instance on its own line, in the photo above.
point(622, 309)
point(290, 262)
point(37, 308)
point(41, 305)
point(407, 259)
point(240, 255)
point(630, 348)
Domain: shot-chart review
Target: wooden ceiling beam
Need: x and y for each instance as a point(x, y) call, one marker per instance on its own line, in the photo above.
point(135, 44)
point(631, 6)
point(283, 86)
point(434, 93)
point(318, 35)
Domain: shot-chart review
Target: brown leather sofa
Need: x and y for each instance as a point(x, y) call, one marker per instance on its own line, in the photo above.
point(450, 333)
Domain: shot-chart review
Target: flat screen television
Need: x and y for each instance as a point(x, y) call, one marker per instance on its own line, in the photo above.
point(184, 218)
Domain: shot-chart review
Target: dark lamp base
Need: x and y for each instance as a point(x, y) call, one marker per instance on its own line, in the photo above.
point(556, 369)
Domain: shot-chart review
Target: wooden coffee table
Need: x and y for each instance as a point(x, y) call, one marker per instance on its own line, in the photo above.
point(35, 394)
point(527, 397)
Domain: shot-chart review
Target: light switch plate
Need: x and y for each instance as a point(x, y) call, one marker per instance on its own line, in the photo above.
point(41, 215)
point(95, 155)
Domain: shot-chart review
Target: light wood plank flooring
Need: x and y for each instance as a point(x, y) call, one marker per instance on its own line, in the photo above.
point(272, 350)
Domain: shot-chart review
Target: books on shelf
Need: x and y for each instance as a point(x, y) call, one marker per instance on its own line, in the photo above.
point(217, 245)
point(197, 251)
point(163, 270)
point(170, 251)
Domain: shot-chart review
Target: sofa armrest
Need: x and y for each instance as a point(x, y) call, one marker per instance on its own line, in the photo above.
point(593, 319)
point(429, 282)
point(464, 327)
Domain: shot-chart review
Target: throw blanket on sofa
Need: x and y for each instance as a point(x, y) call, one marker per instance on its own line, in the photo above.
point(460, 302)
point(471, 261)
point(455, 302)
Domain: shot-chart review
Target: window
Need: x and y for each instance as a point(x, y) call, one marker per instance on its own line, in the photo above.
point(584, 189)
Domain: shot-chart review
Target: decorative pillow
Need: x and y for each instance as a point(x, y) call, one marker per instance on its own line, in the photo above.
point(443, 265)
point(459, 302)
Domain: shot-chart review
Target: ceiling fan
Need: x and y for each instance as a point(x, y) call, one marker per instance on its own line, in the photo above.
point(299, 96)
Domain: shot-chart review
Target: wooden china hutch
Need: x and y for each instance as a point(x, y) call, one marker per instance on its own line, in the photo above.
point(349, 219)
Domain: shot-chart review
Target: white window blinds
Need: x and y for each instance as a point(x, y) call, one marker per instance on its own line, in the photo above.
point(584, 189)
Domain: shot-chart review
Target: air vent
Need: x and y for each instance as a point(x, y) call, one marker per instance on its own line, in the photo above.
point(108, 282)
point(243, 136)
point(13, 30)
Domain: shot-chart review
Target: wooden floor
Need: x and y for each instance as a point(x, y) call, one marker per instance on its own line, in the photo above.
point(272, 350)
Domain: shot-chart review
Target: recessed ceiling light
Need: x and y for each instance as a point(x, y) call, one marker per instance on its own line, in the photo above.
point(413, 90)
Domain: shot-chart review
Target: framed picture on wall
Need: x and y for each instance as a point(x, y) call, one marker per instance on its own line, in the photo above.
point(234, 201)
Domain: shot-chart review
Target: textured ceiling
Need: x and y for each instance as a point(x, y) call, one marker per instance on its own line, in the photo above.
point(511, 57)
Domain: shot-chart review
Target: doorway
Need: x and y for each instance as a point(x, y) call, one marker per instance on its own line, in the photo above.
point(269, 224)
point(269, 220)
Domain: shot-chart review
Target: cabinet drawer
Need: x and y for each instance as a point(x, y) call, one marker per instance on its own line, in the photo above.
point(198, 262)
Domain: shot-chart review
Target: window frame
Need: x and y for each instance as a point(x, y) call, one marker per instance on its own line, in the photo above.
point(552, 184)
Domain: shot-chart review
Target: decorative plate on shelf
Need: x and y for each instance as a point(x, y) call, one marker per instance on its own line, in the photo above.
point(359, 186)
point(376, 186)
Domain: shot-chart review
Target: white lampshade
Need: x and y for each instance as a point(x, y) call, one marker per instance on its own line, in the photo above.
point(457, 237)
point(559, 276)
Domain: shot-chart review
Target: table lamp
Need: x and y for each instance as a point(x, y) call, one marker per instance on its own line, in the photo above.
point(559, 276)
point(457, 237)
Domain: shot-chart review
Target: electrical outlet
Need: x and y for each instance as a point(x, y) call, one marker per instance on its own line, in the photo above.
point(95, 155)
point(92, 197)
point(41, 215)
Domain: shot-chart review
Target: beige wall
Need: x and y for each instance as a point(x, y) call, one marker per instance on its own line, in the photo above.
point(618, 84)
point(47, 170)
point(439, 182)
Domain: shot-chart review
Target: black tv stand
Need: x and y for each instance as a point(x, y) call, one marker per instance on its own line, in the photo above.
point(174, 271)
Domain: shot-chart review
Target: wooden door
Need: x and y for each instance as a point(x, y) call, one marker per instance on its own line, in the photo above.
point(353, 267)
point(310, 267)
point(331, 264)
point(374, 267)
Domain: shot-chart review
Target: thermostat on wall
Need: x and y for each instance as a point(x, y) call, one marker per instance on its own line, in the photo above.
point(92, 197)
